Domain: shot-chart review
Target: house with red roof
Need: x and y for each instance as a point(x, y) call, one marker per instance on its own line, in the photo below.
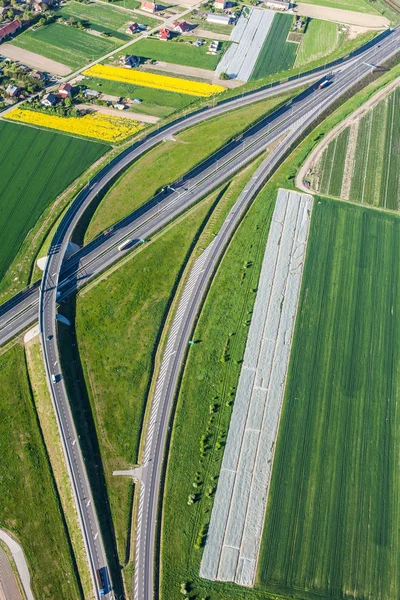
point(9, 29)
point(164, 34)
point(64, 91)
point(150, 7)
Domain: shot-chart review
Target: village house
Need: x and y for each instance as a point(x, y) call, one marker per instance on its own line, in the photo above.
point(49, 100)
point(64, 91)
point(150, 7)
point(130, 61)
point(164, 34)
point(12, 91)
point(220, 4)
point(9, 29)
point(182, 27)
point(132, 28)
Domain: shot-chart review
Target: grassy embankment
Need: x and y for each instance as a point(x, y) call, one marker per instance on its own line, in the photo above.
point(37, 166)
point(209, 381)
point(172, 159)
point(319, 40)
point(30, 506)
point(51, 436)
point(179, 53)
point(333, 519)
point(374, 178)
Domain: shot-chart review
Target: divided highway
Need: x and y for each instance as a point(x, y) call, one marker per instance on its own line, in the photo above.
point(102, 252)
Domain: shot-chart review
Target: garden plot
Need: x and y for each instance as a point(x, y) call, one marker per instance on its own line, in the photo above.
point(248, 38)
point(232, 546)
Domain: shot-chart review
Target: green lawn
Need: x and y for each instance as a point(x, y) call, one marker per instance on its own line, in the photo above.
point(131, 4)
point(154, 102)
point(177, 52)
point(36, 167)
point(117, 341)
point(333, 516)
point(362, 6)
point(65, 44)
point(374, 176)
point(276, 54)
point(100, 16)
point(171, 160)
point(30, 507)
point(320, 39)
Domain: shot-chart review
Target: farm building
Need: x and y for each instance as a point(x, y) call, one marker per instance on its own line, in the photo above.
point(220, 4)
point(49, 100)
point(181, 27)
point(218, 19)
point(9, 29)
point(277, 4)
point(132, 28)
point(150, 7)
point(164, 34)
point(64, 91)
point(91, 93)
point(12, 91)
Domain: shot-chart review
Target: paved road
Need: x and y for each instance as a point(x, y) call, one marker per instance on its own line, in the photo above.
point(20, 562)
point(21, 311)
point(183, 326)
point(154, 218)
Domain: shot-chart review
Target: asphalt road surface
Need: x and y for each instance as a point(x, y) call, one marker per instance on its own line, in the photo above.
point(156, 435)
point(292, 122)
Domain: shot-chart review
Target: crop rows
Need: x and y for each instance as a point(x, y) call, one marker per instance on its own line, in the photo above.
point(276, 54)
point(374, 176)
point(333, 517)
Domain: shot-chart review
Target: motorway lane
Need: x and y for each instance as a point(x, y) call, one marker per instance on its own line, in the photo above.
point(175, 353)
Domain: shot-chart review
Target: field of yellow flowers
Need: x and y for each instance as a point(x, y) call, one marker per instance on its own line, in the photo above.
point(93, 125)
point(161, 82)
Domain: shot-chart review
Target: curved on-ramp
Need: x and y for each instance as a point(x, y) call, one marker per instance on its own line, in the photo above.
point(21, 564)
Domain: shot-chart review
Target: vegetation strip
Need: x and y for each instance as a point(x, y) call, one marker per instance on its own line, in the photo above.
point(238, 513)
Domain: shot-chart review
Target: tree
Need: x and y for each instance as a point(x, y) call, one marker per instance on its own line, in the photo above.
point(224, 76)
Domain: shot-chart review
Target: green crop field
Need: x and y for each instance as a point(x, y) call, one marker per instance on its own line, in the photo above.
point(64, 44)
point(154, 102)
point(333, 514)
point(363, 6)
point(177, 52)
point(276, 54)
point(131, 4)
point(166, 163)
point(320, 39)
point(36, 167)
point(365, 169)
point(30, 507)
point(101, 17)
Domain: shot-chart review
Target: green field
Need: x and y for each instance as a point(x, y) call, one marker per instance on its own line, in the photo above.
point(276, 54)
point(333, 514)
point(36, 167)
point(171, 160)
point(204, 408)
point(320, 39)
point(154, 102)
point(367, 169)
point(117, 341)
point(362, 6)
point(30, 507)
point(101, 17)
point(131, 4)
point(177, 52)
point(64, 44)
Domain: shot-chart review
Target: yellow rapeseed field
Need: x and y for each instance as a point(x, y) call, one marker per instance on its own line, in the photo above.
point(94, 125)
point(161, 82)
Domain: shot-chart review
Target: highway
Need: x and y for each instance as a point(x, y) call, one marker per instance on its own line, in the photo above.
point(95, 258)
point(187, 312)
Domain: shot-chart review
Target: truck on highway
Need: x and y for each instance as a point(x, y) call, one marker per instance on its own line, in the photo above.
point(124, 245)
point(104, 581)
point(323, 84)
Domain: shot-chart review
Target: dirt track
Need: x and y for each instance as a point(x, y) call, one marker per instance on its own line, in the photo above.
point(338, 15)
point(34, 60)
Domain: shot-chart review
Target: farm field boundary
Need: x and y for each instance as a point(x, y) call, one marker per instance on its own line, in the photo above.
point(357, 160)
point(232, 545)
point(338, 15)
